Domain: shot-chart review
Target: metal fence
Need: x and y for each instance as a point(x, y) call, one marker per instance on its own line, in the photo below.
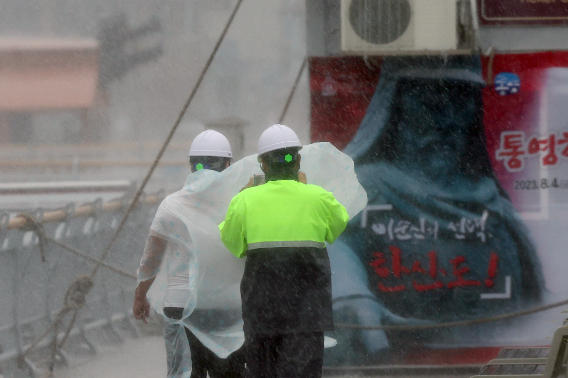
point(36, 274)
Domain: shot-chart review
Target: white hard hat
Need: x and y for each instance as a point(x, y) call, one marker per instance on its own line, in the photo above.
point(211, 143)
point(277, 137)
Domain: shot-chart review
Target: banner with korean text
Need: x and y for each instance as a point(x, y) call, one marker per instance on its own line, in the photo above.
point(465, 164)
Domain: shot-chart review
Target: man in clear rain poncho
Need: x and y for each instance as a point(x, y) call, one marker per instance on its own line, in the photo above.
point(178, 243)
point(209, 276)
point(440, 240)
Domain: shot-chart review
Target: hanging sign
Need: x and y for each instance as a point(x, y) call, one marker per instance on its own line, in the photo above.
point(523, 12)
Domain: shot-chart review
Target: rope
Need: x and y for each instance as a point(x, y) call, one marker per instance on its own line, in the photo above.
point(37, 228)
point(73, 301)
point(31, 225)
point(292, 92)
point(75, 297)
point(87, 257)
point(456, 323)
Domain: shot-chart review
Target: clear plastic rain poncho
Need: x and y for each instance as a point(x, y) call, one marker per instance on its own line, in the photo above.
point(188, 220)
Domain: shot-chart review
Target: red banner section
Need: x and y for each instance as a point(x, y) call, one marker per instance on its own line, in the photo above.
point(467, 200)
point(515, 124)
point(341, 90)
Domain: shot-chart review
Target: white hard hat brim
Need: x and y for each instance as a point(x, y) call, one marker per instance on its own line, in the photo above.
point(278, 146)
point(210, 153)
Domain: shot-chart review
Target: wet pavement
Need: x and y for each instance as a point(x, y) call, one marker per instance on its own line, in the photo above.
point(145, 357)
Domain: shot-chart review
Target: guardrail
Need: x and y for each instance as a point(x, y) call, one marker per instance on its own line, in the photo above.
point(530, 362)
point(35, 277)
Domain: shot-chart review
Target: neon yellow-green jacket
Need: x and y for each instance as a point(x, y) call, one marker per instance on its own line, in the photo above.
point(282, 213)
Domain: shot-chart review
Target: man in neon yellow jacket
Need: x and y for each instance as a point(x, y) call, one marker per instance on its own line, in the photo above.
point(282, 227)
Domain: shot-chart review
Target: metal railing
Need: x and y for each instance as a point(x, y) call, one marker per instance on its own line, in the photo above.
point(36, 274)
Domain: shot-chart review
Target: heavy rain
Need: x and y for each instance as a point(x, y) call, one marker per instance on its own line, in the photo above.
point(301, 188)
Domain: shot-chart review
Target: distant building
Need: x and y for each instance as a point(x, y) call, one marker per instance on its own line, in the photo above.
point(39, 76)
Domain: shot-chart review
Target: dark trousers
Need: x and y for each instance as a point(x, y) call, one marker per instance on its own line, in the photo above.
point(289, 355)
point(204, 361)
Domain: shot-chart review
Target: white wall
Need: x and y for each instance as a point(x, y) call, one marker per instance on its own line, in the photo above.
point(524, 38)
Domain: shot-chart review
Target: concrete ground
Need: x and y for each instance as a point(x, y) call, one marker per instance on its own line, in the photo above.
point(144, 357)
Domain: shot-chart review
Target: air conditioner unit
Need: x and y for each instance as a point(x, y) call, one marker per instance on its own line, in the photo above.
point(378, 27)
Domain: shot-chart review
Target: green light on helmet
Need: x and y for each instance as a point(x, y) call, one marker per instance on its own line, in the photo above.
point(288, 158)
point(198, 166)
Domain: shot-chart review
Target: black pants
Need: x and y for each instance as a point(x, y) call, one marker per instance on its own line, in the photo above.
point(291, 355)
point(204, 361)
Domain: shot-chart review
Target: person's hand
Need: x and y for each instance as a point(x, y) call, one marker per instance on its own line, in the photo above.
point(302, 177)
point(248, 185)
point(141, 307)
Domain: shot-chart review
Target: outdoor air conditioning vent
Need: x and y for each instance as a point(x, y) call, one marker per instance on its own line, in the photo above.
point(398, 26)
point(379, 21)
